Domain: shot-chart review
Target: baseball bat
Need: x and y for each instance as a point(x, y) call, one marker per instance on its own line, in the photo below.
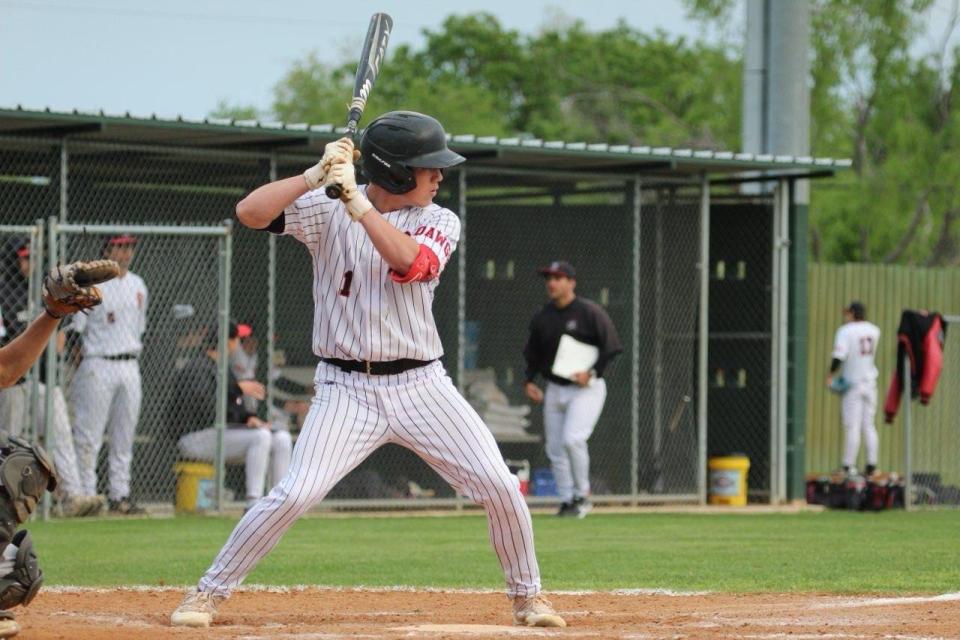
point(371, 57)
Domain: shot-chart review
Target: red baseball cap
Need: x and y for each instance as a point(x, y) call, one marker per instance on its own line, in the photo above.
point(120, 239)
point(234, 330)
point(24, 251)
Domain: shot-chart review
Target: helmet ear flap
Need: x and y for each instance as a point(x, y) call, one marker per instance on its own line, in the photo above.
point(404, 180)
point(385, 169)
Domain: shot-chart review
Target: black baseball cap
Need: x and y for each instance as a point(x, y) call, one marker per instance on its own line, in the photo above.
point(857, 308)
point(558, 268)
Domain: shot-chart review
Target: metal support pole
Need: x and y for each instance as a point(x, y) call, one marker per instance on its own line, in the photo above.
point(797, 319)
point(271, 304)
point(907, 435)
point(783, 333)
point(461, 291)
point(775, 380)
point(462, 279)
point(64, 180)
point(38, 265)
point(51, 364)
point(779, 333)
point(223, 317)
point(703, 345)
point(658, 340)
point(635, 350)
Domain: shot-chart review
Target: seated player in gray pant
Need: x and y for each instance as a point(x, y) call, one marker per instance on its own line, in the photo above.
point(247, 439)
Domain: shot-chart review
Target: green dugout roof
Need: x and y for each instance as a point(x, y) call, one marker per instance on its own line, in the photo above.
point(484, 151)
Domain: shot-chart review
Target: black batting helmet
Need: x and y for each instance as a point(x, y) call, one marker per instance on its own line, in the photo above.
point(397, 142)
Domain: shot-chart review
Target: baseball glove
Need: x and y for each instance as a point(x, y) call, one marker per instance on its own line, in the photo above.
point(69, 288)
point(839, 385)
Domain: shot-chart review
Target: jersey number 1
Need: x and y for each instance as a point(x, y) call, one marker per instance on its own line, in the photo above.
point(347, 281)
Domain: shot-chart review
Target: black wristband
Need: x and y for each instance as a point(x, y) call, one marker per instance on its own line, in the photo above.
point(278, 225)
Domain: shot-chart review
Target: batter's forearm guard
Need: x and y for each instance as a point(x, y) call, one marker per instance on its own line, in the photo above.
point(425, 267)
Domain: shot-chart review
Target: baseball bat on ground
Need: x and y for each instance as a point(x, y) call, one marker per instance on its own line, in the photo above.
point(374, 49)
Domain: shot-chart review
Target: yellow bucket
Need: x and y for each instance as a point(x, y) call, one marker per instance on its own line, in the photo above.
point(728, 480)
point(193, 481)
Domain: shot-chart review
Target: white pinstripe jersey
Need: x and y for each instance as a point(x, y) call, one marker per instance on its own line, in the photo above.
point(116, 326)
point(360, 313)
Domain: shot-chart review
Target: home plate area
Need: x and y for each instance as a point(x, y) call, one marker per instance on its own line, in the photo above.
point(322, 613)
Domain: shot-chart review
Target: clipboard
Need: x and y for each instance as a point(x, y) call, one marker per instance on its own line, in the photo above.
point(573, 356)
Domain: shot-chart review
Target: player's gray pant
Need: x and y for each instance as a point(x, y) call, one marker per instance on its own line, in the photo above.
point(858, 409)
point(106, 395)
point(570, 413)
point(259, 450)
point(352, 415)
point(14, 415)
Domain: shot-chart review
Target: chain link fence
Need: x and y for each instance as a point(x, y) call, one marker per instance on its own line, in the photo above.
point(636, 245)
point(739, 369)
point(122, 361)
point(20, 274)
point(670, 295)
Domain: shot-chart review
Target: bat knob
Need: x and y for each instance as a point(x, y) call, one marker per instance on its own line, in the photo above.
point(333, 191)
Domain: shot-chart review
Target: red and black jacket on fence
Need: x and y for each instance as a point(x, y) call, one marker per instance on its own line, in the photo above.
point(920, 336)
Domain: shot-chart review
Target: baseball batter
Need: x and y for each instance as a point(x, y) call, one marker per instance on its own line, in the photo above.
point(106, 392)
point(377, 254)
point(571, 406)
point(854, 350)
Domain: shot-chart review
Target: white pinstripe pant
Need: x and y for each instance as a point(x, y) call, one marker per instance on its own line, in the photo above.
point(352, 415)
point(106, 397)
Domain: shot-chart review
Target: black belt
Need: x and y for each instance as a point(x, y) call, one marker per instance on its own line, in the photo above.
point(121, 356)
point(389, 367)
point(563, 382)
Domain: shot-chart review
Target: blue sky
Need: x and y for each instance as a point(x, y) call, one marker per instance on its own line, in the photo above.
point(183, 56)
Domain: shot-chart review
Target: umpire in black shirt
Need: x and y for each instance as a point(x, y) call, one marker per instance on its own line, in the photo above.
point(572, 405)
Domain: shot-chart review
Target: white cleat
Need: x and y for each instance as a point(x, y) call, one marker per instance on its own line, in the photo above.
point(8, 626)
point(535, 611)
point(197, 609)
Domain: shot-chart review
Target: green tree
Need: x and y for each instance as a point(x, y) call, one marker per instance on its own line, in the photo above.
point(873, 99)
point(618, 85)
point(624, 86)
point(235, 112)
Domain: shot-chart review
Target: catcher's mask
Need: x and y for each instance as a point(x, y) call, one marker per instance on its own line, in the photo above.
point(397, 142)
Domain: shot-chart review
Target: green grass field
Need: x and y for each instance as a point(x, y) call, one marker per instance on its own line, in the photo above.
point(891, 552)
